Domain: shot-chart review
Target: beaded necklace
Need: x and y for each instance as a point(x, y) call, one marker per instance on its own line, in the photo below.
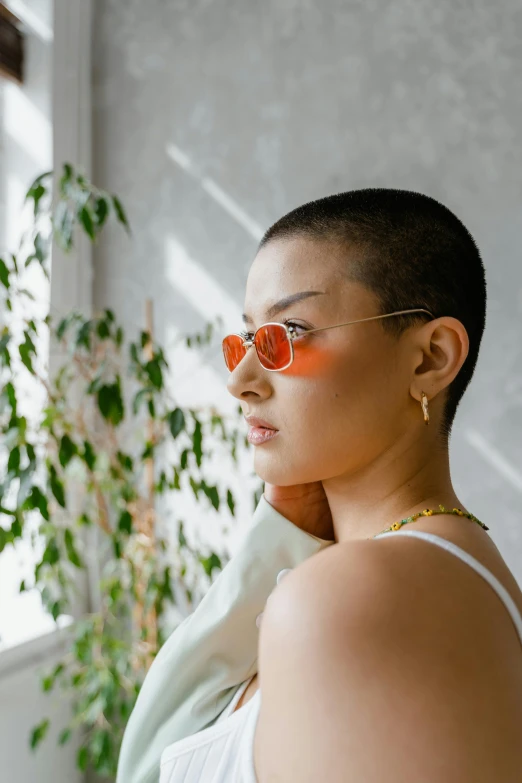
point(428, 512)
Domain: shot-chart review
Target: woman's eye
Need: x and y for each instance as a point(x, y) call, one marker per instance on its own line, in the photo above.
point(295, 327)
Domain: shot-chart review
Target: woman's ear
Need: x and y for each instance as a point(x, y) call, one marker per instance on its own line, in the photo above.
point(444, 343)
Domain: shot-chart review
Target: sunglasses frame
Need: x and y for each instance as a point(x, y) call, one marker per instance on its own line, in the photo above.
point(292, 335)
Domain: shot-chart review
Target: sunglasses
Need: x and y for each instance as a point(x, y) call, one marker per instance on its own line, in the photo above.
point(274, 342)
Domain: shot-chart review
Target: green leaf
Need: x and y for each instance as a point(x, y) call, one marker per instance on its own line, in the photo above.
point(120, 213)
point(141, 396)
point(48, 683)
point(110, 402)
point(88, 456)
point(41, 248)
point(24, 350)
point(83, 336)
point(64, 324)
point(17, 525)
point(87, 221)
point(167, 586)
point(182, 541)
point(153, 370)
point(125, 460)
point(39, 501)
point(57, 487)
point(102, 329)
point(82, 758)
point(101, 211)
point(13, 464)
point(64, 736)
point(176, 419)
point(36, 194)
point(51, 553)
point(37, 190)
point(9, 390)
point(39, 732)
point(4, 352)
point(230, 502)
point(4, 274)
point(63, 223)
point(71, 550)
point(195, 486)
point(25, 487)
point(58, 669)
point(117, 547)
point(211, 562)
point(212, 494)
point(197, 442)
point(148, 451)
point(96, 383)
point(100, 747)
point(4, 539)
point(67, 450)
point(66, 179)
point(125, 522)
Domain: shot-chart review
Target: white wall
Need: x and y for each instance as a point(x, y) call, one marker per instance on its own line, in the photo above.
point(213, 119)
point(22, 706)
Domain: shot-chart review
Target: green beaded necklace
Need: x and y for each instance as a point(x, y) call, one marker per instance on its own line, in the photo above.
point(428, 512)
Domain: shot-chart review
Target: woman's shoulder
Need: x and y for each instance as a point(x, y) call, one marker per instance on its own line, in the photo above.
point(411, 575)
point(390, 633)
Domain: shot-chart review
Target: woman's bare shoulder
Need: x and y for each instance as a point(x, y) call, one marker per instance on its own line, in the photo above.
point(374, 635)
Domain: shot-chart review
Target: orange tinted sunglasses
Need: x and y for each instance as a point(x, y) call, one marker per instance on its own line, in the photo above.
point(274, 342)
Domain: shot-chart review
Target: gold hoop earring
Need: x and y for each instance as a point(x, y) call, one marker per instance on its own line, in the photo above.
point(424, 404)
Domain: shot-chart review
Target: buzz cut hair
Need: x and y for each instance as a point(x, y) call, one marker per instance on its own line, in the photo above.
point(411, 252)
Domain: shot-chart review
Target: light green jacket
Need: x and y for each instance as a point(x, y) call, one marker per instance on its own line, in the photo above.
point(201, 665)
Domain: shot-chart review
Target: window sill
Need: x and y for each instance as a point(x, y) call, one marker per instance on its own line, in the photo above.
point(35, 651)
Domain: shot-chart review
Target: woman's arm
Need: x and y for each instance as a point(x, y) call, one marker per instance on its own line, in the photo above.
point(200, 666)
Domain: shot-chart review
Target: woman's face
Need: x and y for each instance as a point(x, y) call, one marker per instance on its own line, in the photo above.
point(346, 398)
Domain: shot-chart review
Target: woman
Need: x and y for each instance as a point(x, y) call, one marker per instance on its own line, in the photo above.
point(381, 658)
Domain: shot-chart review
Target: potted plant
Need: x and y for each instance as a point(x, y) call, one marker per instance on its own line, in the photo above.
point(82, 477)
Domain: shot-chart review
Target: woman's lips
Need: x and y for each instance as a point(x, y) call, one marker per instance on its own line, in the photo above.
point(259, 435)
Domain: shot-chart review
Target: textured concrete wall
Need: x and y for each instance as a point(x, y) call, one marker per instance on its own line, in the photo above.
point(212, 119)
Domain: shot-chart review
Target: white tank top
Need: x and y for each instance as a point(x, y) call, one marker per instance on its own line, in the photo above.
point(224, 751)
point(221, 753)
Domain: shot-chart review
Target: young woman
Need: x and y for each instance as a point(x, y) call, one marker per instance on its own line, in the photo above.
point(394, 654)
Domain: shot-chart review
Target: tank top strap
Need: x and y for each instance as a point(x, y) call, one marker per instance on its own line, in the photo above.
point(484, 572)
point(231, 706)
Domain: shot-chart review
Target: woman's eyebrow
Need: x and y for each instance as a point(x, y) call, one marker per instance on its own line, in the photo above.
point(277, 307)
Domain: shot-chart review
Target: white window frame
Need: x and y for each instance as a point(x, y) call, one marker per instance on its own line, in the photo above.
point(71, 274)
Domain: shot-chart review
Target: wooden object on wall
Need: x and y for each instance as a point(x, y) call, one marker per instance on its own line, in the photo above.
point(11, 46)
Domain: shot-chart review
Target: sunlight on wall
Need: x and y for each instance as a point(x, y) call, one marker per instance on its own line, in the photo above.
point(241, 217)
point(210, 300)
point(27, 126)
point(195, 382)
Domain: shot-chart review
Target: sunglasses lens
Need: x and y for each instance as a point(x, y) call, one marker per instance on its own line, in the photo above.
point(233, 350)
point(273, 347)
point(272, 344)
